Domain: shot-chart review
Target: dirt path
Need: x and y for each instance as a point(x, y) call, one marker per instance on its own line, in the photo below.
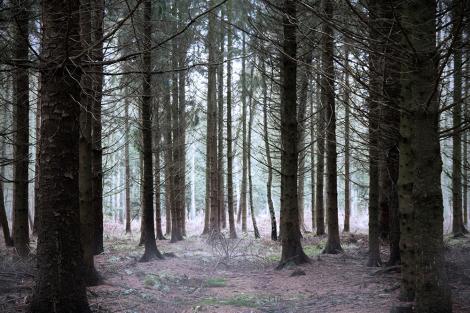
point(238, 276)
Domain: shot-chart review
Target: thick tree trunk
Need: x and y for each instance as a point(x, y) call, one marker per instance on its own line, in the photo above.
point(97, 162)
point(21, 98)
point(422, 185)
point(328, 96)
point(290, 229)
point(151, 251)
point(36, 163)
point(87, 216)
point(59, 255)
point(230, 200)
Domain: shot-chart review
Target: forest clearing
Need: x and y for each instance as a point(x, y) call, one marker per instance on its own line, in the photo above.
point(237, 276)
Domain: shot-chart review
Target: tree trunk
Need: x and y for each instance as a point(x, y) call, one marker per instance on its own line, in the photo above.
point(328, 96)
point(157, 149)
point(220, 120)
point(36, 163)
point(230, 204)
point(167, 156)
point(347, 144)
point(21, 158)
point(243, 191)
point(269, 164)
point(97, 162)
point(214, 223)
point(290, 229)
point(375, 73)
point(87, 216)
point(4, 220)
point(319, 201)
point(127, 179)
point(458, 228)
point(59, 255)
point(151, 251)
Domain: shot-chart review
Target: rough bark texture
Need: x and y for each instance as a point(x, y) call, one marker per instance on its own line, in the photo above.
point(230, 200)
point(347, 143)
point(59, 255)
point(151, 251)
point(319, 201)
point(458, 228)
point(87, 216)
point(290, 229)
point(375, 90)
point(97, 162)
point(419, 95)
point(21, 157)
point(157, 149)
point(214, 222)
point(328, 98)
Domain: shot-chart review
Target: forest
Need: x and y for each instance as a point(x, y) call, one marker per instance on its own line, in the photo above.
point(234, 156)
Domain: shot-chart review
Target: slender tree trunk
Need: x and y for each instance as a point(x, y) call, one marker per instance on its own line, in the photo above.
point(220, 120)
point(347, 144)
point(37, 165)
point(230, 204)
point(182, 146)
point(158, 204)
point(3, 214)
point(303, 95)
point(290, 229)
point(21, 158)
point(150, 246)
point(328, 94)
point(97, 162)
point(127, 178)
point(167, 156)
point(243, 191)
point(319, 202)
point(214, 222)
point(59, 255)
point(250, 180)
point(375, 68)
point(269, 164)
point(458, 228)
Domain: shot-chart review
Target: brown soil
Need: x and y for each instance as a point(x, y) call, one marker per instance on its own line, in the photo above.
point(235, 276)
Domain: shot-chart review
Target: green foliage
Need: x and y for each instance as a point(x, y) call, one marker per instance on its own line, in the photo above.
point(216, 282)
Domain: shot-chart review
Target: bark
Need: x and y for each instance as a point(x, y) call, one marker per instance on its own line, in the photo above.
point(347, 144)
point(150, 246)
point(21, 157)
point(375, 90)
point(59, 255)
point(230, 204)
point(269, 164)
point(250, 180)
point(36, 163)
point(312, 162)
point(97, 163)
point(214, 223)
point(303, 95)
point(4, 220)
point(390, 131)
point(87, 216)
point(328, 96)
point(290, 229)
point(319, 201)
point(168, 157)
point(157, 149)
point(220, 121)
point(182, 146)
point(127, 169)
point(458, 228)
point(419, 78)
point(243, 210)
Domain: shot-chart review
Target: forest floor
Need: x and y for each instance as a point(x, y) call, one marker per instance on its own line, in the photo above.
point(236, 276)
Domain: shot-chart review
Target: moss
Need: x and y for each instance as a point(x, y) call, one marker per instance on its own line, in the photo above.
point(216, 282)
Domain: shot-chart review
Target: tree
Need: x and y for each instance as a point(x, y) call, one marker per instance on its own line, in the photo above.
point(127, 169)
point(374, 88)
point(347, 140)
point(422, 184)
point(151, 251)
point(230, 205)
point(290, 229)
point(87, 216)
point(328, 98)
point(242, 211)
point(319, 201)
point(59, 255)
point(21, 98)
